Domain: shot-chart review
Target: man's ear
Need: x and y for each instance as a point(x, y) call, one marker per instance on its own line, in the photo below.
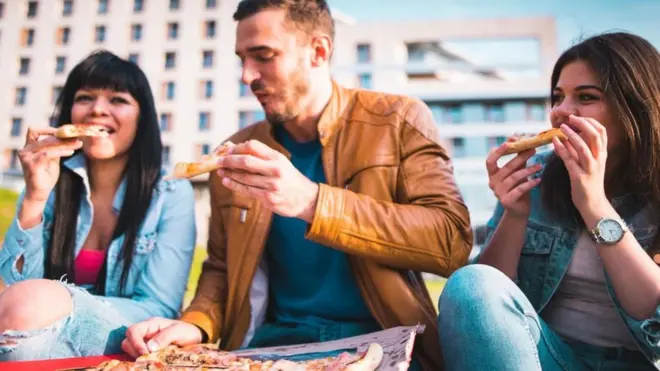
point(322, 50)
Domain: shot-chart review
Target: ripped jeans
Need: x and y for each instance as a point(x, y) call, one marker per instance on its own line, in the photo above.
point(94, 327)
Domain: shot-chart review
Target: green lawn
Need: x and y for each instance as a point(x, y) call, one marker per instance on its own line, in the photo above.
point(8, 209)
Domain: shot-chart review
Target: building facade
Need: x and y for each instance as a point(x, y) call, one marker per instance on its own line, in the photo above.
point(186, 48)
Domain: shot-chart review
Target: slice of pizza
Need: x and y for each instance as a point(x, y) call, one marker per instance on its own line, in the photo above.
point(116, 365)
point(196, 355)
point(71, 131)
point(207, 164)
point(540, 139)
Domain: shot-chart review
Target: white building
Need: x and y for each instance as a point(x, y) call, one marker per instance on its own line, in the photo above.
point(186, 48)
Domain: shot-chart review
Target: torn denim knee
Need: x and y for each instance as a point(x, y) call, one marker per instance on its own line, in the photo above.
point(12, 340)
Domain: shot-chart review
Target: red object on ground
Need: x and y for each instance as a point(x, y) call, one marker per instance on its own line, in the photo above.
point(60, 364)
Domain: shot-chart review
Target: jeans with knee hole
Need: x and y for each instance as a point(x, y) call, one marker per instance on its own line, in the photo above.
point(486, 322)
point(94, 327)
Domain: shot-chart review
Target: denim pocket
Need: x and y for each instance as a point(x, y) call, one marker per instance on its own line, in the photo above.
point(534, 260)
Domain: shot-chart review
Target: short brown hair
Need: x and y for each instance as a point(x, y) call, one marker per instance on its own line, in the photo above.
point(307, 15)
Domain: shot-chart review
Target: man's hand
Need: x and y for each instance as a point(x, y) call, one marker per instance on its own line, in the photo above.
point(255, 169)
point(157, 333)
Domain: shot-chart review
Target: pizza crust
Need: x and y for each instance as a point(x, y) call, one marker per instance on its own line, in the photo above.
point(207, 164)
point(540, 139)
point(70, 131)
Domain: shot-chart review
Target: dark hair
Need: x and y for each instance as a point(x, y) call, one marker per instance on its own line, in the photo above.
point(628, 68)
point(104, 70)
point(307, 15)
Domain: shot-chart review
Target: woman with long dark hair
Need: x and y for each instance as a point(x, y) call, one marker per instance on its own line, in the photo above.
point(569, 278)
point(100, 239)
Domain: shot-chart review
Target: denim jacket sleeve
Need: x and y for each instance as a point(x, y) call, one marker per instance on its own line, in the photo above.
point(161, 286)
point(29, 243)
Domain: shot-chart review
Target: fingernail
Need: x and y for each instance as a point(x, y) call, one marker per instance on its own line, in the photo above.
point(152, 345)
point(221, 172)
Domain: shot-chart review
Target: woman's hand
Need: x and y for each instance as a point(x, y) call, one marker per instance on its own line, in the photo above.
point(40, 160)
point(584, 154)
point(511, 183)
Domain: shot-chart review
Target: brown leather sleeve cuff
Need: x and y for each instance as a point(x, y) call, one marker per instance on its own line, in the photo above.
point(202, 321)
point(328, 215)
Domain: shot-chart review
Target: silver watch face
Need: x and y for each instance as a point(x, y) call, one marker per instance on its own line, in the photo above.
point(610, 230)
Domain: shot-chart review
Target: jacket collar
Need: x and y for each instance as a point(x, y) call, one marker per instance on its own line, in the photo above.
point(334, 113)
point(78, 164)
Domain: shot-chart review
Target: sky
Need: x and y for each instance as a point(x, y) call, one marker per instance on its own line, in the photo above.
point(575, 18)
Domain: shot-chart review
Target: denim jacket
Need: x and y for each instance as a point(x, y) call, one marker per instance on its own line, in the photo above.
point(548, 249)
point(165, 243)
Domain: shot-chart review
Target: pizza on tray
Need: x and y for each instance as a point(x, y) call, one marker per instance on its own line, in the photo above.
point(534, 141)
point(209, 357)
point(206, 164)
point(71, 131)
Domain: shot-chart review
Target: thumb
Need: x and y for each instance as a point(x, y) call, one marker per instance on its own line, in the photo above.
point(178, 334)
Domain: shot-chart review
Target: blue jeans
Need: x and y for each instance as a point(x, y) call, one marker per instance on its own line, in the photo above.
point(486, 322)
point(94, 327)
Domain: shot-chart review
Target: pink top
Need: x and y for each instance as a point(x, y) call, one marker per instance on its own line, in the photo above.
point(87, 266)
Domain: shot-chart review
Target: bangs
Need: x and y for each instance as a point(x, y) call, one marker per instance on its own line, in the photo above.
point(108, 72)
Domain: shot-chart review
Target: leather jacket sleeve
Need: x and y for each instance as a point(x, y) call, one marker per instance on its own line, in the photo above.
point(427, 230)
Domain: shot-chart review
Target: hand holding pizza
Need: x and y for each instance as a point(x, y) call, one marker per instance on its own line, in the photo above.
point(511, 183)
point(40, 160)
point(584, 156)
point(255, 169)
point(157, 333)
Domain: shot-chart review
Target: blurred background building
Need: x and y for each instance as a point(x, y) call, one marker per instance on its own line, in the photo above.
point(483, 79)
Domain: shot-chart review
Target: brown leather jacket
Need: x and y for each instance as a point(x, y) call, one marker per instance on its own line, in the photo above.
point(391, 204)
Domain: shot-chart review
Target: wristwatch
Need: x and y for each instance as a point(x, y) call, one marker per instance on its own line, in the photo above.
point(608, 231)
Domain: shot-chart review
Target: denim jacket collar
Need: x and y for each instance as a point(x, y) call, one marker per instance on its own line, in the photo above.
point(78, 164)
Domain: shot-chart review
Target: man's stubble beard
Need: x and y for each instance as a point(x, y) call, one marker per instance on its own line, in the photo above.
point(293, 98)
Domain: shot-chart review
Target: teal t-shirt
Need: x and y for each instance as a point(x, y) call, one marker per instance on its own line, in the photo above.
point(310, 284)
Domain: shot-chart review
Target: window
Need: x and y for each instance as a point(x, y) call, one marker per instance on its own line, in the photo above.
point(55, 94)
point(13, 162)
point(16, 126)
point(536, 111)
point(244, 89)
point(458, 147)
point(21, 96)
point(204, 121)
point(24, 66)
point(33, 7)
point(166, 155)
point(174, 4)
point(495, 112)
point(103, 6)
point(27, 37)
point(170, 60)
point(60, 64)
point(246, 118)
point(170, 90)
point(165, 122)
point(99, 34)
point(204, 149)
point(454, 114)
point(67, 8)
point(136, 32)
point(364, 53)
point(172, 30)
point(207, 58)
point(62, 36)
point(495, 142)
point(209, 29)
point(138, 6)
point(207, 89)
point(134, 57)
point(52, 121)
point(2, 9)
point(365, 80)
point(211, 4)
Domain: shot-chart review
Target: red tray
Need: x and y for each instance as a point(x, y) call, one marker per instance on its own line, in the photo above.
point(60, 364)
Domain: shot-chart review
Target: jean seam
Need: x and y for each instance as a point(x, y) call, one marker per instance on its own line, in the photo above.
point(548, 344)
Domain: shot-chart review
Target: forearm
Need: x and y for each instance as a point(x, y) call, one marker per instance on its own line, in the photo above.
point(434, 238)
point(30, 213)
point(635, 277)
point(504, 249)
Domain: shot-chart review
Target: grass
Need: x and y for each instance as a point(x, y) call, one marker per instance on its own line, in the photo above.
point(434, 286)
point(9, 198)
point(8, 201)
